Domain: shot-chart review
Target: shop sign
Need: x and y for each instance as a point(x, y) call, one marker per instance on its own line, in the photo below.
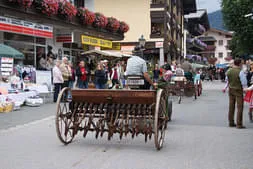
point(159, 45)
point(6, 66)
point(64, 37)
point(88, 40)
point(25, 27)
point(115, 46)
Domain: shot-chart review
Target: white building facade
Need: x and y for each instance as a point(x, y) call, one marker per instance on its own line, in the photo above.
point(223, 39)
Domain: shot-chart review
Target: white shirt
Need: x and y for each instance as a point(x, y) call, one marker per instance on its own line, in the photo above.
point(136, 66)
point(57, 75)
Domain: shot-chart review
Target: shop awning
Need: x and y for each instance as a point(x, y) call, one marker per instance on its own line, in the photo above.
point(103, 53)
point(198, 66)
point(7, 51)
point(224, 65)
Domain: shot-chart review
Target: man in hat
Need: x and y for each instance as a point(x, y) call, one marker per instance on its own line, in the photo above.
point(237, 82)
point(137, 66)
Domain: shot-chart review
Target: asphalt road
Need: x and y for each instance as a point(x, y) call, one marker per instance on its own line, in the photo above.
point(197, 138)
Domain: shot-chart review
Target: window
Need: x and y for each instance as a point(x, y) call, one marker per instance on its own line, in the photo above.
point(229, 54)
point(79, 3)
point(220, 55)
point(228, 42)
point(220, 42)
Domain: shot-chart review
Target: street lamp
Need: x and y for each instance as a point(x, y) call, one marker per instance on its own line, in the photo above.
point(142, 42)
point(249, 15)
point(141, 46)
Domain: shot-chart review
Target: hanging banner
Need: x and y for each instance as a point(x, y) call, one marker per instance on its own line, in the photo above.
point(25, 27)
point(115, 46)
point(88, 40)
point(64, 37)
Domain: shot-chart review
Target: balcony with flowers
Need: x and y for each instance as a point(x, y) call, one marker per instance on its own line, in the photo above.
point(62, 13)
point(196, 44)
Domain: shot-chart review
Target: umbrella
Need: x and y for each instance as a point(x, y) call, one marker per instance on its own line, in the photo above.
point(7, 51)
point(103, 53)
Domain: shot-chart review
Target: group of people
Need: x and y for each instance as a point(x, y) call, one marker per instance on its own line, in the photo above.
point(65, 75)
point(239, 81)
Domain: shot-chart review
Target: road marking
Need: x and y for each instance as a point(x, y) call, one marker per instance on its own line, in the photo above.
point(18, 127)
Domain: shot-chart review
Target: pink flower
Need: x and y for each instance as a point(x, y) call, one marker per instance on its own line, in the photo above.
point(66, 8)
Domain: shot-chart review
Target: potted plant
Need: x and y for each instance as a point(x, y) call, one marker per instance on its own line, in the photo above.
point(123, 27)
point(86, 17)
point(25, 3)
point(67, 10)
point(113, 24)
point(100, 21)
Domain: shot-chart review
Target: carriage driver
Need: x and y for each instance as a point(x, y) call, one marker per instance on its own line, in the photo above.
point(136, 66)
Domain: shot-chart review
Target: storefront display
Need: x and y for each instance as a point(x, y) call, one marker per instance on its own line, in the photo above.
point(6, 66)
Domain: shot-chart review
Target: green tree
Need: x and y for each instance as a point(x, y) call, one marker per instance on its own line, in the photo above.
point(233, 14)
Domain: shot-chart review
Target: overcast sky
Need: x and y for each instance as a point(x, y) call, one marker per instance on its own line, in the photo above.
point(210, 5)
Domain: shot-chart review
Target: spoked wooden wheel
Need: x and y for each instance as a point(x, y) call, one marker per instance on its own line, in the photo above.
point(196, 91)
point(64, 117)
point(169, 108)
point(160, 121)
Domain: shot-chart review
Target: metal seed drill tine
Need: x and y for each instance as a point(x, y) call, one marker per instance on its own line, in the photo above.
point(97, 129)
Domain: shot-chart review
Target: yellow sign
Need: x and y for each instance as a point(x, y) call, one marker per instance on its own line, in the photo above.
point(115, 46)
point(88, 40)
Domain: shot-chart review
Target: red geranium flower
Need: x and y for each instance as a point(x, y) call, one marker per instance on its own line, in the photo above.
point(123, 27)
point(87, 17)
point(67, 9)
point(24, 3)
point(100, 20)
point(50, 7)
point(113, 24)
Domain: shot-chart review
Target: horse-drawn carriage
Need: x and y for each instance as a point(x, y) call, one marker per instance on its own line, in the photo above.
point(182, 86)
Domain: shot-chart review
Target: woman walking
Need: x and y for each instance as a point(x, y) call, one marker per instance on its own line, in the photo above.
point(72, 78)
point(114, 75)
point(57, 79)
point(81, 74)
point(250, 91)
point(100, 77)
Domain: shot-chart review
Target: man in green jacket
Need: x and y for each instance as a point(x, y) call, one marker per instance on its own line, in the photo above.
point(237, 82)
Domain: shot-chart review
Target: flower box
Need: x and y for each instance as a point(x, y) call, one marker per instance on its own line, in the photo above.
point(25, 3)
point(123, 27)
point(67, 10)
point(113, 24)
point(86, 17)
point(48, 7)
point(100, 21)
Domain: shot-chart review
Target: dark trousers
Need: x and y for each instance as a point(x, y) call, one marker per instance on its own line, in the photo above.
point(65, 84)
point(235, 96)
point(57, 88)
point(115, 81)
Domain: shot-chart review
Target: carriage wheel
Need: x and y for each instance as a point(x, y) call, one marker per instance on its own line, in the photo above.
point(195, 91)
point(64, 118)
point(169, 108)
point(160, 119)
point(179, 99)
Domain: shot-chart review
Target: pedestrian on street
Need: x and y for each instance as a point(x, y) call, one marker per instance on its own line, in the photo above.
point(72, 78)
point(57, 79)
point(81, 74)
point(65, 70)
point(156, 73)
point(114, 75)
point(237, 82)
point(250, 90)
point(100, 77)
